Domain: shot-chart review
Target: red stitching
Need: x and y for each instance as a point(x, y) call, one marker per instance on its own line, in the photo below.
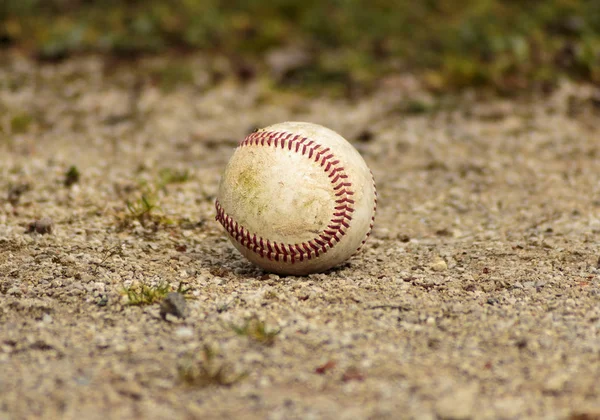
point(337, 226)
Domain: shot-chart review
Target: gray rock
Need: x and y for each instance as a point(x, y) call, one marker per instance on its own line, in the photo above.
point(174, 304)
point(41, 226)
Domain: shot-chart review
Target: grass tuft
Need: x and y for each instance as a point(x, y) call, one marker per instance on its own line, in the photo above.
point(168, 176)
point(209, 371)
point(256, 330)
point(141, 295)
point(20, 123)
point(72, 176)
point(141, 210)
point(146, 209)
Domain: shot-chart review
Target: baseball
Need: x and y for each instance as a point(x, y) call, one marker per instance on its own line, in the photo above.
point(296, 198)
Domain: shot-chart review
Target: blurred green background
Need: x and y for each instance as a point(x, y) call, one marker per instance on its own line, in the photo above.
point(506, 44)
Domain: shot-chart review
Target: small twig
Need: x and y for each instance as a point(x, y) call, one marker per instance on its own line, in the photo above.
point(110, 252)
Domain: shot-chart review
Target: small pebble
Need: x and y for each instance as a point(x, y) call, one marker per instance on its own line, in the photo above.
point(173, 304)
point(184, 332)
point(270, 276)
point(102, 300)
point(42, 226)
point(439, 265)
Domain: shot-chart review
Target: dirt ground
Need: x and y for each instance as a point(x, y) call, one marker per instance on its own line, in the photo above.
point(477, 296)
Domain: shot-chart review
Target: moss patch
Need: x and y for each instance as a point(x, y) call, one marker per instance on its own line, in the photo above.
point(248, 186)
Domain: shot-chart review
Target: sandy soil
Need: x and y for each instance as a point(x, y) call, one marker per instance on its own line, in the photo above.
point(477, 296)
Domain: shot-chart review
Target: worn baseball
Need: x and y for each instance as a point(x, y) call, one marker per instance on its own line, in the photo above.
point(296, 198)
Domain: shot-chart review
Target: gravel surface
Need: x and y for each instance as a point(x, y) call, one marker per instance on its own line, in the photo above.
point(477, 296)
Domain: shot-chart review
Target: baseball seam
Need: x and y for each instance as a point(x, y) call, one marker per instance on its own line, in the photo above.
point(340, 220)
